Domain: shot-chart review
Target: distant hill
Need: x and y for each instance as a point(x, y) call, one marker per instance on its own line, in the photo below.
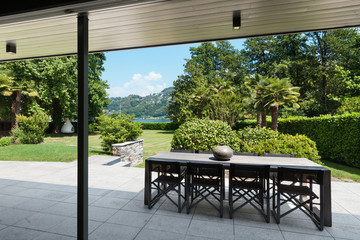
point(152, 105)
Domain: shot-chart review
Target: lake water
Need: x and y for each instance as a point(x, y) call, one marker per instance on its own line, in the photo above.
point(151, 120)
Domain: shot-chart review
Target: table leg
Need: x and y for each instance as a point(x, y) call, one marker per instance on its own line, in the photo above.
point(327, 198)
point(146, 183)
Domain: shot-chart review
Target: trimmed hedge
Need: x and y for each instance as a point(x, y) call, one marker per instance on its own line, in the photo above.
point(160, 126)
point(203, 134)
point(266, 140)
point(337, 137)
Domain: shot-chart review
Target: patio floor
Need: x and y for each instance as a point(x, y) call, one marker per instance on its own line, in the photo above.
point(38, 201)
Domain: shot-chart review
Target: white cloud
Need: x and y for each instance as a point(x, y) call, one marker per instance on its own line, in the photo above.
point(153, 76)
point(139, 85)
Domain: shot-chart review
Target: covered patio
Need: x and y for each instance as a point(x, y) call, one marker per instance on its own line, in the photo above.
point(38, 201)
point(36, 195)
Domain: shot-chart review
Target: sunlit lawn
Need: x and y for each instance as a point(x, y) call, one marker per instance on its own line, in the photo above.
point(62, 148)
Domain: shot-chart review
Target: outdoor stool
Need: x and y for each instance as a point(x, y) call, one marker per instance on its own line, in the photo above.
point(295, 185)
point(249, 183)
point(205, 181)
point(170, 176)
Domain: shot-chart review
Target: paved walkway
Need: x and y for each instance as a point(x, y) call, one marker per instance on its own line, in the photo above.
point(38, 201)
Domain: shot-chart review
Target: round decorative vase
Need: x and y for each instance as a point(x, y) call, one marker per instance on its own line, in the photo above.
point(223, 152)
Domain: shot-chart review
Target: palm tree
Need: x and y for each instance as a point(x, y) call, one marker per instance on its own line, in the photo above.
point(251, 83)
point(14, 89)
point(275, 93)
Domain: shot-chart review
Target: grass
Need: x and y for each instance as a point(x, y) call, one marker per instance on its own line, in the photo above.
point(342, 171)
point(62, 148)
point(155, 141)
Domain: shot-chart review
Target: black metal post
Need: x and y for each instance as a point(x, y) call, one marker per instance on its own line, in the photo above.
point(83, 51)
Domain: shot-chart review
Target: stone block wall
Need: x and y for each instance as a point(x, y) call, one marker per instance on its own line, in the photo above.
point(131, 151)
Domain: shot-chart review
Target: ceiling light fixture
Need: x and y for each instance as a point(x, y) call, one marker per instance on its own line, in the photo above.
point(237, 19)
point(10, 47)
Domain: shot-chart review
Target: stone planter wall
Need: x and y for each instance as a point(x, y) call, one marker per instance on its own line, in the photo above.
point(131, 151)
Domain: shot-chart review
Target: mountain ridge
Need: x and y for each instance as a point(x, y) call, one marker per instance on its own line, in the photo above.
point(153, 105)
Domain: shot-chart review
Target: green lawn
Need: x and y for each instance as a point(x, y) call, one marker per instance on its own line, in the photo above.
point(62, 148)
point(343, 172)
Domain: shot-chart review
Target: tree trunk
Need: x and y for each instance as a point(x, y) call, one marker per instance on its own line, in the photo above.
point(56, 115)
point(258, 120)
point(15, 108)
point(263, 120)
point(274, 117)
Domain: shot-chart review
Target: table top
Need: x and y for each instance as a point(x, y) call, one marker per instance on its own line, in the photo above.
point(274, 162)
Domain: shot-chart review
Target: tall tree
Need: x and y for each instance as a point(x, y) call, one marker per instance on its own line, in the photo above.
point(15, 82)
point(206, 89)
point(259, 53)
point(276, 92)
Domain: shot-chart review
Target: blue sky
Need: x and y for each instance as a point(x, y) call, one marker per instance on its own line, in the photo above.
point(146, 71)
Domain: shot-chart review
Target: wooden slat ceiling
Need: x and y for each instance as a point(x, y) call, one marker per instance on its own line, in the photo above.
point(136, 24)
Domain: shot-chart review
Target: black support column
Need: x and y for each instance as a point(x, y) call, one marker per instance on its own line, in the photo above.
point(83, 98)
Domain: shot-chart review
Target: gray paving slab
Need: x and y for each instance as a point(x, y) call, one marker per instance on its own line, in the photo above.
point(344, 231)
point(69, 227)
point(146, 234)
point(52, 236)
point(297, 236)
point(16, 233)
point(254, 220)
point(109, 231)
point(101, 214)
point(33, 204)
point(169, 209)
point(138, 206)
point(168, 223)
point(301, 226)
point(211, 229)
point(10, 201)
point(62, 209)
point(135, 219)
point(245, 232)
point(10, 216)
point(110, 202)
point(41, 221)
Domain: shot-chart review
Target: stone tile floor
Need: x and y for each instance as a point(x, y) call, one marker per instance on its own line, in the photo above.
point(38, 201)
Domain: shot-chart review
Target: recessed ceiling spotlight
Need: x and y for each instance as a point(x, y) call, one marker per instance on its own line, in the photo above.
point(11, 47)
point(237, 19)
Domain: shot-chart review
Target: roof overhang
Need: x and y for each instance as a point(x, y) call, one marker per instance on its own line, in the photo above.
point(51, 30)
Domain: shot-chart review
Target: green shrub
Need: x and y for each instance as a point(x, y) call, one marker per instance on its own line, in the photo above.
point(246, 123)
point(160, 126)
point(117, 129)
point(93, 127)
point(349, 105)
point(337, 137)
point(266, 140)
point(253, 136)
point(5, 141)
point(31, 130)
point(203, 134)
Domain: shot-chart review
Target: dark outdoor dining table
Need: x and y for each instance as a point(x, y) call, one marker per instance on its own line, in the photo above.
point(274, 163)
